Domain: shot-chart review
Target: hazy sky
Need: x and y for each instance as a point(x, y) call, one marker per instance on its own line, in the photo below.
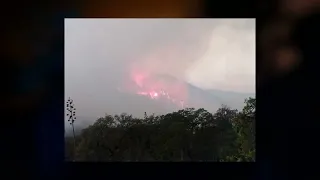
point(208, 53)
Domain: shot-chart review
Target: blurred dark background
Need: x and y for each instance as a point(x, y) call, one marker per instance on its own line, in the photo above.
point(33, 73)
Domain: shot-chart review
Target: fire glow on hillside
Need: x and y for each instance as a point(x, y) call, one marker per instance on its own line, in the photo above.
point(159, 88)
point(156, 87)
point(157, 74)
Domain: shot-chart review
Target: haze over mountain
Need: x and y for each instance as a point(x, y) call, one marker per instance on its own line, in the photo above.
point(157, 65)
point(136, 104)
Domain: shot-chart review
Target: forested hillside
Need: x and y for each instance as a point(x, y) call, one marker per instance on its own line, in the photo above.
point(186, 135)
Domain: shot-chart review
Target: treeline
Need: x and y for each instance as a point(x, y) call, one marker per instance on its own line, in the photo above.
point(185, 135)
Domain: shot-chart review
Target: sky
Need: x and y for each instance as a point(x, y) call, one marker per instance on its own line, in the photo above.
point(103, 55)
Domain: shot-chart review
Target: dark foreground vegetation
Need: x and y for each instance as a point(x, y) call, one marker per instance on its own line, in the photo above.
point(186, 135)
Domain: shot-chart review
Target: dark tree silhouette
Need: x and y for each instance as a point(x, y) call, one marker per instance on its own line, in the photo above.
point(185, 135)
point(71, 119)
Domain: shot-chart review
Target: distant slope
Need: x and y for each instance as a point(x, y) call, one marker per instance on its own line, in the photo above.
point(136, 104)
point(232, 99)
point(213, 99)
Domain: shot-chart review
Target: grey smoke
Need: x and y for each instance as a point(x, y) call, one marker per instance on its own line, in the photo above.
point(212, 55)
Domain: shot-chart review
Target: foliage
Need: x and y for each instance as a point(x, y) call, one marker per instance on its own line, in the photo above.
point(186, 135)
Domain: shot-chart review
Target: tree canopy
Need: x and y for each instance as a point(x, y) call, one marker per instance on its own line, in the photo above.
point(185, 135)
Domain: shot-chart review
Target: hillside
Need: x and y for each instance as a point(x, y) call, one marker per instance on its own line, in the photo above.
point(137, 104)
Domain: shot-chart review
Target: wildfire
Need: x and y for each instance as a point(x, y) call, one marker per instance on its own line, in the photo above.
point(144, 82)
point(160, 94)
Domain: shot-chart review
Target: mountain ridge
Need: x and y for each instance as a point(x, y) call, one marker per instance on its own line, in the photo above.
point(212, 99)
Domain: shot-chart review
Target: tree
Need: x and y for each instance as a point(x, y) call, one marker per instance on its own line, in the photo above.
point(244, 124)
point(226, 135)
point(185, 135)
point(71, 119)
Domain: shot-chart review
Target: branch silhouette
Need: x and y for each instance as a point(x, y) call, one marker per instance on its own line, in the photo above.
point(71, 119)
